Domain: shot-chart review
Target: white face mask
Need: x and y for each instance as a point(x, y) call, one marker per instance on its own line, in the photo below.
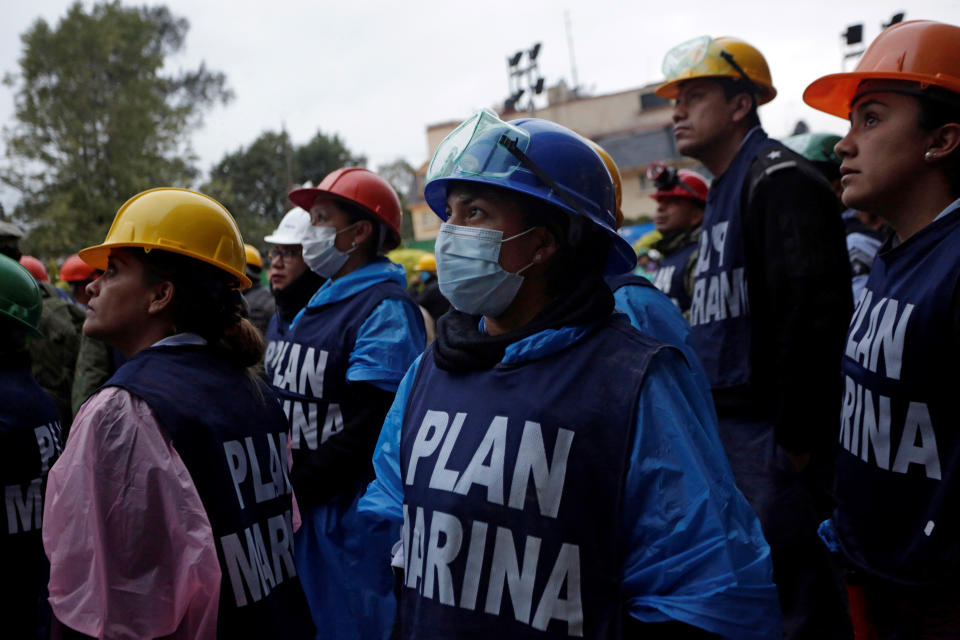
point(469, 271)
point(319, 252)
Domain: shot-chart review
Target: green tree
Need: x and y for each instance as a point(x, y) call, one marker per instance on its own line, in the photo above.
point(323, 154)
point(403, 178)
point(98, 119)
point(253, 181)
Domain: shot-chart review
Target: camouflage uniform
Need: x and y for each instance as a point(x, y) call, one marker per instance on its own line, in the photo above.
point(96, 362)
point(261, 305)
point(54, 356)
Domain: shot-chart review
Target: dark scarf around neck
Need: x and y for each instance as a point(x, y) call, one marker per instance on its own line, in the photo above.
point(461, 347)
point(297, 294)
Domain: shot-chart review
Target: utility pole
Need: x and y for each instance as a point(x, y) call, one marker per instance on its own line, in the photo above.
point(573, 59)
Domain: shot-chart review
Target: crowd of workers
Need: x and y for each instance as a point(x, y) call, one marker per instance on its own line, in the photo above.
point(351, 454)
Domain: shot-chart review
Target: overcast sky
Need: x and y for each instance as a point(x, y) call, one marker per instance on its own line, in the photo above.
point(378, 73)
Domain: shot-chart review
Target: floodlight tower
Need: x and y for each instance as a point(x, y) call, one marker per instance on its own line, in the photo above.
point(853, 38)
point(524, 79)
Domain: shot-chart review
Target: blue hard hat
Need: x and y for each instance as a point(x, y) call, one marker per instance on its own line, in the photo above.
point(538, 158)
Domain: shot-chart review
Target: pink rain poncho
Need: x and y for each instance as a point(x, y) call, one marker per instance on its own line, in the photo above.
point(130, 545)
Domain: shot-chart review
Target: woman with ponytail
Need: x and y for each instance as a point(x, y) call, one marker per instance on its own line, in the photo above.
point(170, 513)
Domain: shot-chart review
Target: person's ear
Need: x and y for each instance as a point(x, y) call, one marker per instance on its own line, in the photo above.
point(362, 230)
point(945, 141)
point(742, 105)
point(162, 297)
point(545, 245)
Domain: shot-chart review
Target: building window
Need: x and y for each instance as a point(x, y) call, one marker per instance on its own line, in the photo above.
point(652, 101)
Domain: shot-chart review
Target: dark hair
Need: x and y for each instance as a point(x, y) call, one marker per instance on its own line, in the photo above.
point(937, 108)
point(356, 213)
point(11, 250)
point(205, 303)
point(734, 87)
point(583, 248)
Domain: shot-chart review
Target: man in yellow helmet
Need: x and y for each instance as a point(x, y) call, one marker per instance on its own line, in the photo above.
point(770, 304)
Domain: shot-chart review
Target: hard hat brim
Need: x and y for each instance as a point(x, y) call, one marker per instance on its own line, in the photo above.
point(671, 88)
point(307, 196)
point(276, 238)
point(98, 255)
point(832, 93)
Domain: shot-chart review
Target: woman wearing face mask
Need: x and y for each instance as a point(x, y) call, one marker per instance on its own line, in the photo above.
point(169, 512)
point(549, 462)
point(896, 523)
point(292, 283)
point(336, 371)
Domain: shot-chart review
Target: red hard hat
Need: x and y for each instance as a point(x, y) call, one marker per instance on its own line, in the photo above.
point(76, 270)
point(696, 187)
point(363, 188)
point(36, 268)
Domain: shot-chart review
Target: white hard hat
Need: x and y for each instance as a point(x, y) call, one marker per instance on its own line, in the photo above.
point(291, 229)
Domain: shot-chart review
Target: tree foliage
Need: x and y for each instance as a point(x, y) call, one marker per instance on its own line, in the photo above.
point(253, 181)
point(98, 119)
point(403, 178)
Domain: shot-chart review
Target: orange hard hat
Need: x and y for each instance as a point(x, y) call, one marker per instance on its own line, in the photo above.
point(36, 268)
point(921, 51)
point(76, 270)
point(362, 188)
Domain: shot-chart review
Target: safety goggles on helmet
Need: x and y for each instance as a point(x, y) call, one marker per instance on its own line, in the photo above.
point(486, 146)
point(473, 148)
point(666, 179)
point(702, 56)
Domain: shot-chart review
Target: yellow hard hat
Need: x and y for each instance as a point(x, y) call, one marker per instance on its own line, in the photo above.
point(427, 262)
point(253, 256)
point(615, 174)
point(179, 221)
point(921, 51)
point(724, 57)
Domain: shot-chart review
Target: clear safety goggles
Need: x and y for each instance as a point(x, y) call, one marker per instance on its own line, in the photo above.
point(474, 148)
point(702, 56)
point(486, 146)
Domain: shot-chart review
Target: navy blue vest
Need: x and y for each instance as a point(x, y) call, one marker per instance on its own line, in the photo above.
point(512, 485)
point(277, 328)
point(29, 445)
point(233, 440)
point(719, 309)
point(669, 276)
point(898, 472)
point(310, 363)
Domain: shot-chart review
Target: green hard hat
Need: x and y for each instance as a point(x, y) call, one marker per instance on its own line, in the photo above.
point(815, 147)
point(19, 295)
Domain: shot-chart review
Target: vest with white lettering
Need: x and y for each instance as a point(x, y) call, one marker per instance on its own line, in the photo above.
point(719, 310)
point(233, 440)
point(670, 275)
point(512, 485)
point(310, 374)
point(898, 469)
point(277, 329)
point(29, 445)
